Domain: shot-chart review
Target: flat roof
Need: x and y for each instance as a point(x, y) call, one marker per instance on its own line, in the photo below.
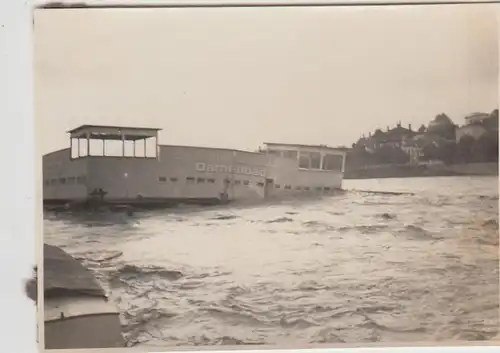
point(109, 132)
point(305, 146)
point(84, 127)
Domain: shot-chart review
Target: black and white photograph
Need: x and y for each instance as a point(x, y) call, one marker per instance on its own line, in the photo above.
point(272, 177)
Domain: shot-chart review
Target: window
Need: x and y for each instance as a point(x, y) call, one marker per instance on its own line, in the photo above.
point(201, 180)
point(46, 182)
point(298, 188)
point(277, 186)
point(332, 162)
point(326, 188)
point(315, 162)
point(211, 181)
point(173, 179)
point(319, 188)
point(53, 181)
point(71, 180)
point(246, 182)
point(162, 179)
point(190, 179)
point(80, 179)
point(237, 182)
point(62, 180)
point(260, 184)
point(290, 154)
point(304, 160)
point(287, 187)
point(307, 188)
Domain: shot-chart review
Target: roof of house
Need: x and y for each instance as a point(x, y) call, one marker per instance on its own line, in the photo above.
point(394, 134)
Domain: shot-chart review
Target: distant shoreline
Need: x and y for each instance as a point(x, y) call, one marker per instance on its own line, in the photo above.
point(405, 171)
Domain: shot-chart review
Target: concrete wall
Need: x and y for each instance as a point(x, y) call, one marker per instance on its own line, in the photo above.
point(285, 173)
point(167, 177)
point(184, 172)
point(57, 166)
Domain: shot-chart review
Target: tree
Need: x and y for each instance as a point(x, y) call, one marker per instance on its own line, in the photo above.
point(442, 126)
point(491, 122)
point(465, 149)
point(486, 147)
point(443, 119)
point(387, 154)
point(430, 152)
point(358, 157)
point(422, 129)
point(446, 152)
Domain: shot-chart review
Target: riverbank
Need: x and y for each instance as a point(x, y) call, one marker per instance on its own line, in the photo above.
point(408, 171)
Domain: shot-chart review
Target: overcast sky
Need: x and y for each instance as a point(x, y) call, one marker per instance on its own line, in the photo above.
point(238, 77)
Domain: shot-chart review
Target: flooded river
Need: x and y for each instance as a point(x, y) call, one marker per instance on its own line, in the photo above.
point(358, 267)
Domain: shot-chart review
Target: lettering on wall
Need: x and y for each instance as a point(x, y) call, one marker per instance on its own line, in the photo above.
point(221, 168)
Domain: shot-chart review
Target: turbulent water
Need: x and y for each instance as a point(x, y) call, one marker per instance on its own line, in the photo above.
point(353, 268)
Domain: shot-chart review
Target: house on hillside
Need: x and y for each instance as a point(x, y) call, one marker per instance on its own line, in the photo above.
point(398, 137)
point(412, 148)
point(474, 126)
point(394, 137)
point(476, 118)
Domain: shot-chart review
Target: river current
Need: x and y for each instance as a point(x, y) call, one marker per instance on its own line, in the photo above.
point(357, 267)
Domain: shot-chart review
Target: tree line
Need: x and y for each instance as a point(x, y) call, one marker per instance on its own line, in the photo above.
point(436, 142)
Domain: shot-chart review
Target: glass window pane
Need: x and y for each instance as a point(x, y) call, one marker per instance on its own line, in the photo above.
point(315, 160)
point(332, 162)
point(304, 160)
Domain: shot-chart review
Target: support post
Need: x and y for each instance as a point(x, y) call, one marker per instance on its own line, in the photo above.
point(134, 148)
point(104, 148)
point(156, 144)
point(123, 145)
point(78, 147)
point(88, 144)
point(70, 148)
point(145, 152)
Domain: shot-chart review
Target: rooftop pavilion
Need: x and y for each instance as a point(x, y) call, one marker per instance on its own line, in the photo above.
point(114, 141)
point(310, 157)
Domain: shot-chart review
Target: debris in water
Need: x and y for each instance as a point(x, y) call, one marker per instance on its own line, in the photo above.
point(387, 216)
point(280, 220)
point(224, 217)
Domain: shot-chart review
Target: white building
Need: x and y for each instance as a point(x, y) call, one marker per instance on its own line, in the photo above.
point(472, 127)
point(163, 174)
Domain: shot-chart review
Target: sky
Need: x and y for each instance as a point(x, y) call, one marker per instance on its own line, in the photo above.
point(236, 78)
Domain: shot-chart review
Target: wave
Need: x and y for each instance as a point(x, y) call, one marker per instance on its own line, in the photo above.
point(311, 285)
point(365, 229)
point(99, 256)
point(417, 233)
point(387, 215)
point(234, 315)
point(491, 223)
point(327, 335)
point(280, 220)
point(488, 197)
point(224, 217)
point(133, 271)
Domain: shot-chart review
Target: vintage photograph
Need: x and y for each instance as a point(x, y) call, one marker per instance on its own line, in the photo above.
point(268, 176)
